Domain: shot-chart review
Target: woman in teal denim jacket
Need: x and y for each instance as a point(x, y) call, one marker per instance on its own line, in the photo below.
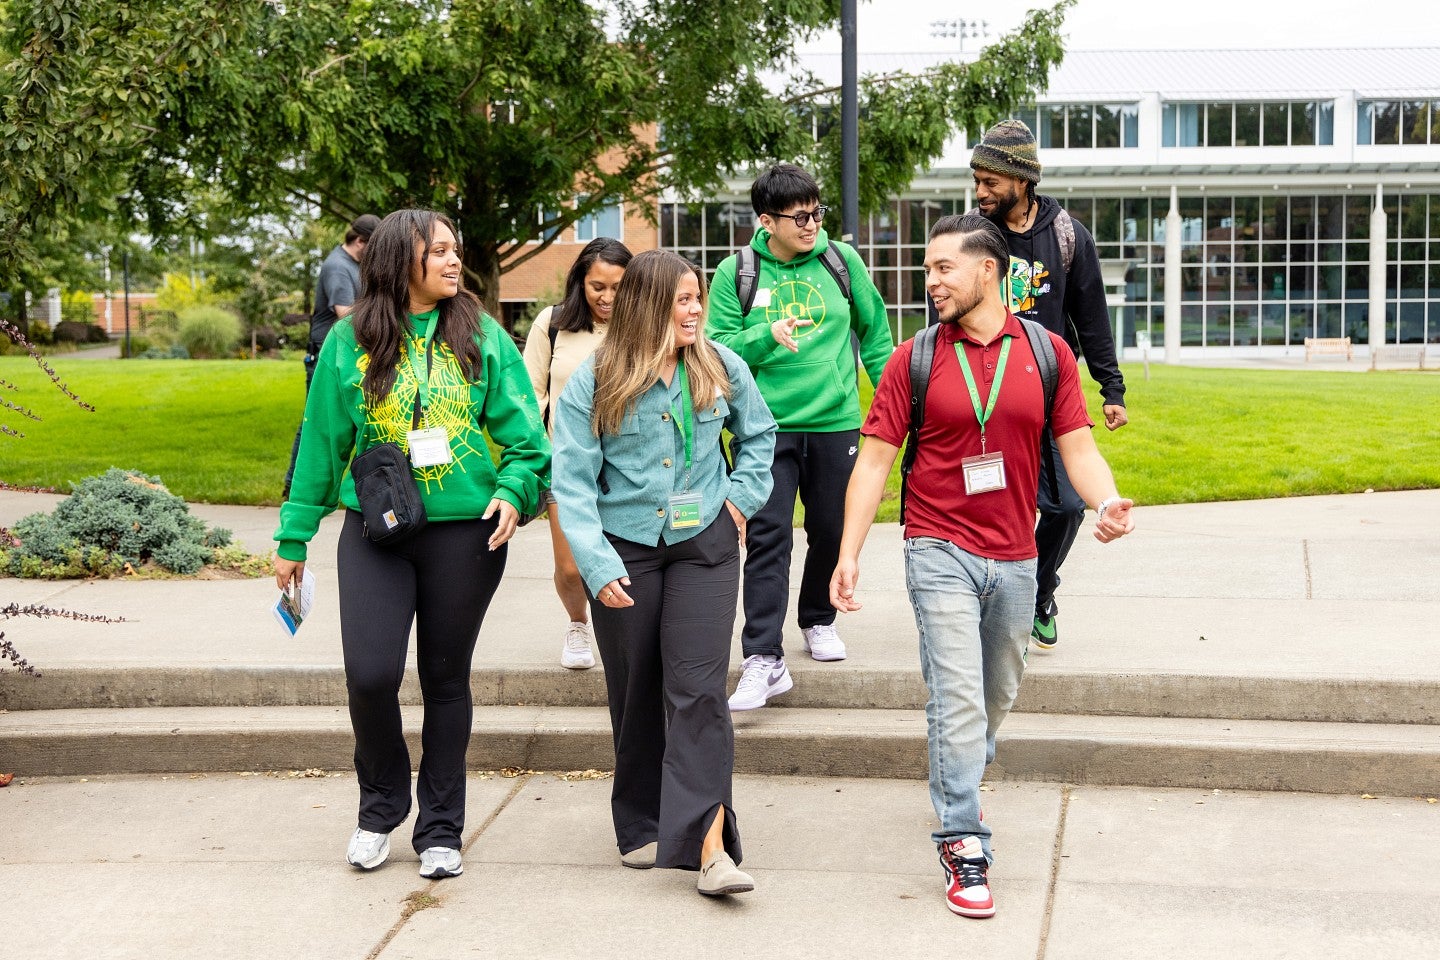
point(654, 519)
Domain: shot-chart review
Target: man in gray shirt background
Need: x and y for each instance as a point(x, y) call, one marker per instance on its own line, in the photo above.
point(336, 290)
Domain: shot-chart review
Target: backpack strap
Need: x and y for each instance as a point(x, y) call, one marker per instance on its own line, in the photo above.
point(554, 333)
point(747, 278)
point(835, 263)
point(747, 275)
point(1065, 233)
point(922, 359)
point(1044, 350)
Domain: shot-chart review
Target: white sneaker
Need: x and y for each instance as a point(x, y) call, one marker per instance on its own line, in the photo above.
point(823, 643)
point(367, 850)
point(576, 655)
point(763, 677)
point(438, 862)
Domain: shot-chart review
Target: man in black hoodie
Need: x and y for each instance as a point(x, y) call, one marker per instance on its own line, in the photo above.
point(1055, 280)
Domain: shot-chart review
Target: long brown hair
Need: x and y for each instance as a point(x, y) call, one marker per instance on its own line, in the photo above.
point(382, 309)
point(642, 336)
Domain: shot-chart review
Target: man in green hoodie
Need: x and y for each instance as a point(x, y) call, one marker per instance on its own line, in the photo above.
point(794, 306)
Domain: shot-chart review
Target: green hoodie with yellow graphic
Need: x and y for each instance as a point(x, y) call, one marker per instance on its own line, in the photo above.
point(340, 424)
point(814, 390)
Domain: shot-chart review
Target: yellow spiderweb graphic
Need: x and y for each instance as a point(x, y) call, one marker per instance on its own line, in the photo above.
point(797, 300)
point(449, 407)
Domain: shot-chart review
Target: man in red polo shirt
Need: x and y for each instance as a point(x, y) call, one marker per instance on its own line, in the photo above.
point(970, 521)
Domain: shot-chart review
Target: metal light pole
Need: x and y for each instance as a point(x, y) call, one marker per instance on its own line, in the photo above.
point(849, 126)
point(126, 260)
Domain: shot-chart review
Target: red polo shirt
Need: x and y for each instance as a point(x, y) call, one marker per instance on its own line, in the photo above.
point(1000, 524)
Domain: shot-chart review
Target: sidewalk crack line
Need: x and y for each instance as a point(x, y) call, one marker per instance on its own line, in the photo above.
point(1309, 586)
point(465, 846)
point(1054, 873)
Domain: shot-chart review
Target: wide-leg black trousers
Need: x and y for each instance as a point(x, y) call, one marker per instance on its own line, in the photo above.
point(666, 660)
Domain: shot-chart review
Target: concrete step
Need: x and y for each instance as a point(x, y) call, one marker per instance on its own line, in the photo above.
point(1338, 699)
point(1397, 759)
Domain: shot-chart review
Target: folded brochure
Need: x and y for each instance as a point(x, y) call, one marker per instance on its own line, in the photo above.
point(291, 610)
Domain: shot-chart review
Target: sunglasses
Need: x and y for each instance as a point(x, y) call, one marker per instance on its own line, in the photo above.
point(803, 218)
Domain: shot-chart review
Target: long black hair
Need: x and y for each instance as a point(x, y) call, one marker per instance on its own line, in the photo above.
point(382, 310)
point(573, 313)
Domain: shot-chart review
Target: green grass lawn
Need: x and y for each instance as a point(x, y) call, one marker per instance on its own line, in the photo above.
point(216, 431)
point(219, 431)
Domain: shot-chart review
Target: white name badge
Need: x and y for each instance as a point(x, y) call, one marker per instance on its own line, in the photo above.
point(762, 299)
point(984, 473)
point(429, 447)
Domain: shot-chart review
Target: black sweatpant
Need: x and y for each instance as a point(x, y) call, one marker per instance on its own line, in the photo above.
point(442, 580)
point(817, 466)
point(1055, 531)
point(666, 660)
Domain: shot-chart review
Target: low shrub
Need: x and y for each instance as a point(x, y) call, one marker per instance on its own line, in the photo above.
point(40, 333)
point(119, 521)
point(173, 352)
point(138, 345)
point(209, 332)
point(161, 326)
point(75, 331)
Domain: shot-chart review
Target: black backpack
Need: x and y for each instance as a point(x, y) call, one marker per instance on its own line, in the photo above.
point(747, 274)
point(922, 361)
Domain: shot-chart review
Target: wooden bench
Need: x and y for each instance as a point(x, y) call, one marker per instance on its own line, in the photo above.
point(1399, 353)
point(1328, 346)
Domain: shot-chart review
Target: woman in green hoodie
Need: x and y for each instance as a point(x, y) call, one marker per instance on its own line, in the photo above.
point(416, 347)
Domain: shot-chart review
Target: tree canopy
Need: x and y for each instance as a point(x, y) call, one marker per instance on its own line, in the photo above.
point(498, 112)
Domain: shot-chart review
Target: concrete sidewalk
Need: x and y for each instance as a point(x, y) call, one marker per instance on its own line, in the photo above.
point(1284, 644)
point(1344, 587)
point(226, 865)
point(1271, 643)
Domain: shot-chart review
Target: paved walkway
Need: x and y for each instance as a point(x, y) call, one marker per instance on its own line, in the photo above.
point(1339, 593)
point(250, 866)
point(1304, 588)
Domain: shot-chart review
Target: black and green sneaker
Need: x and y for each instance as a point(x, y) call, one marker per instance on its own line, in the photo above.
point(1042, 631)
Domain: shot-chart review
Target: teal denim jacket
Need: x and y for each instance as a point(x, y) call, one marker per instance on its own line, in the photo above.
point(621, 483)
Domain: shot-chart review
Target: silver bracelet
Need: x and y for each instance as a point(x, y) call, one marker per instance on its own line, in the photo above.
point(1105, 504)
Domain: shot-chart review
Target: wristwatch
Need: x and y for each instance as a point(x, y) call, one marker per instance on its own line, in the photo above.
point(1105, 504)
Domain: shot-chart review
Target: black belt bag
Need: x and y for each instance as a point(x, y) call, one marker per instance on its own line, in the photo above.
point(385, 485)
point(389, 499)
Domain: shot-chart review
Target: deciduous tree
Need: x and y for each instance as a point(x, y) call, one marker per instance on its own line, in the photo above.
point(516, 117)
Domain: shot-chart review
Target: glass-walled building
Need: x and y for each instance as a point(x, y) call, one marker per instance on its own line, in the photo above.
point(1273, 161)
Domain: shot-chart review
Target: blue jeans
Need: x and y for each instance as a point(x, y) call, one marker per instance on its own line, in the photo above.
point(974, 619)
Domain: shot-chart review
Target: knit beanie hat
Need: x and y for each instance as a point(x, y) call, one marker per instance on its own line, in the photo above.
point(1008, 148)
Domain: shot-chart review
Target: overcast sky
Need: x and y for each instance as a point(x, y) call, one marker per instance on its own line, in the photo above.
point(893, 26)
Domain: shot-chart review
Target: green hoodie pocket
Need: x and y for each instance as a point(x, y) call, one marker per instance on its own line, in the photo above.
point(803, 395)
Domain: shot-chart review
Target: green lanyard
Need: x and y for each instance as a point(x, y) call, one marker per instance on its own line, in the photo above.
point(983, 416)
point(418, 358)
point(687, 428)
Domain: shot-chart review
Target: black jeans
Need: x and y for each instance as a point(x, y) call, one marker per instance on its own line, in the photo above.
point(817, 466)
point(666, 660)
point(1055, 532)
point(442, 580)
